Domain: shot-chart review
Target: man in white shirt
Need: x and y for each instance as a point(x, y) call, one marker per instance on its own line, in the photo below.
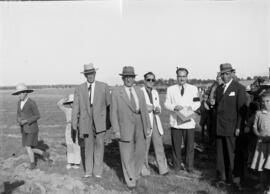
point(180, 97)
point(154, 109)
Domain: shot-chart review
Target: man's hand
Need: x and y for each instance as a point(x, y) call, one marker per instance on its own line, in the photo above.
point(237, 132)
point(178, 108)
point(148, 132)
point(117, 136)
point(23, 121)
point(157, 110)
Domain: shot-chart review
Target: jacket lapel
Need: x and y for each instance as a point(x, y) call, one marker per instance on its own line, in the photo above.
point(124, 95)
point(25, 105)
point(86, 96)
point(96, 92)
point(228, 91)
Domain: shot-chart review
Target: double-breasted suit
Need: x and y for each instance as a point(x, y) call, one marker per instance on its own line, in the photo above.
point(29, 130)
point(133, 125)
point(89, 117)
point(229, 105)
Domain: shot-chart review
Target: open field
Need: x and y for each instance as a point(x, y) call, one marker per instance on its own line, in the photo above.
point(54, 178)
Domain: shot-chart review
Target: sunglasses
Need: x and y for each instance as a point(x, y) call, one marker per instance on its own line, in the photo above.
point(150, 80)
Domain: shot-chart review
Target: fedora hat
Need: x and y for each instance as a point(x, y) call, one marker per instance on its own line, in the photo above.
point(69, 100)
point(226, 67)
point(89, 68)
point(20, 88)
point(128, 71)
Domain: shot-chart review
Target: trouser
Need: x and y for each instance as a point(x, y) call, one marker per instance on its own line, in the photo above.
point(225, 157)
point(159, 150)
point(177, 135)
point(132, 153)
point(73, 149)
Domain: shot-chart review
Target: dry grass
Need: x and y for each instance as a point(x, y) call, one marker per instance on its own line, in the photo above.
point(52, 126)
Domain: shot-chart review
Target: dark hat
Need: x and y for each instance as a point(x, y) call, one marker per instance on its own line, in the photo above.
point(128, 71)
point(226, 67)
point(89, 68)
point(21, 88)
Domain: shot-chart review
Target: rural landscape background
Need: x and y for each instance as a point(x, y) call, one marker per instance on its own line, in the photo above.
point(54, 178)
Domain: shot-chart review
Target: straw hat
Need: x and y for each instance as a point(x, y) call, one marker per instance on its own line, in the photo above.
point(21, 88)
point(89, 68)
point(69, 100)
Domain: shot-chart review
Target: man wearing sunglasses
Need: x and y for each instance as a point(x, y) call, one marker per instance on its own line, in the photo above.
point(154, 109)
point(182, 97)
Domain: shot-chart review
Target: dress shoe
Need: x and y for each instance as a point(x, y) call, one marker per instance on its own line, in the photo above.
point(87, 176)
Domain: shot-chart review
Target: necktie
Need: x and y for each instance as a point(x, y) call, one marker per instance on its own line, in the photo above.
point(182, 91)
point(132, 99)
point(90, 93)
point(149, 92)
point(223, 88)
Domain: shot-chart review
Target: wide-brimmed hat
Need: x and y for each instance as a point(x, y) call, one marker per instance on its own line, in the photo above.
point(226, 67)
point(128, 71)
point(20, 88)
point(69, 100)
point(89, 68)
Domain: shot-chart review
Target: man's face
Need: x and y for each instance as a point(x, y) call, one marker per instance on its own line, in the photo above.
point(22, 95)
point(128, 80)
point(182, 77)
point(90, 76)
point(149, 81)
point(226, 77)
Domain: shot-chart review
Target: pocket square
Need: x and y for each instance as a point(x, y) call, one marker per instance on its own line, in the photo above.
point(232, 94)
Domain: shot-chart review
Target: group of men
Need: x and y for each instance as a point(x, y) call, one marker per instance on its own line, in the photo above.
point(134, 116)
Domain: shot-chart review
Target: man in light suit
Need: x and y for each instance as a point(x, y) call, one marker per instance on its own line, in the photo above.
point(182, 96)
point(154, 109)
point(91, 100)
point(230, 100)
point(131, 125)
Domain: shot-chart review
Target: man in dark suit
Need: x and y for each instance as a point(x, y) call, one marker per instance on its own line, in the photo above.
point(91, 101)
point(230, 98)
point(131, 125)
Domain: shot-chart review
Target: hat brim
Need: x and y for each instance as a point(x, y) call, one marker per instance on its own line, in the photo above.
point(89, 71)
point(22, 91)
point(127, 74)
point(227, 70)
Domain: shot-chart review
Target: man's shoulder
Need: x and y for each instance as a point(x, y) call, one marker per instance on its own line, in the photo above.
point(101, 84)
point(191, 86)
point(173, 87)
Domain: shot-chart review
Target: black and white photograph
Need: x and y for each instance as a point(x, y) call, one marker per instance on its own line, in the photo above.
point(135, 96)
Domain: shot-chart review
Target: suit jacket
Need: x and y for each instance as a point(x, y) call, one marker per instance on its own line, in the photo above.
point(122, 113)
point(229, 108)
point(31, 114)
point(156, 103)
point(81, 116)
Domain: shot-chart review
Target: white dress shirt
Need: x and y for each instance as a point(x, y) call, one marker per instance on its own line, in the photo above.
point(92, 90)
point(174, 98)
point(23, 102)
point(134, 95)
point(227, 85)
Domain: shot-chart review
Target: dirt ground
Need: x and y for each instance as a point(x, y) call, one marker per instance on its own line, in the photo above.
point(53, 177)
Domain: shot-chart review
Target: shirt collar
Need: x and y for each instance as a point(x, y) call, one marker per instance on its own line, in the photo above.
point(227, 84)
point(92, 84)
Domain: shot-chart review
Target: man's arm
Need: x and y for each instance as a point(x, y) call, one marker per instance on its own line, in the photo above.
point(168, 102)
point(114, 114)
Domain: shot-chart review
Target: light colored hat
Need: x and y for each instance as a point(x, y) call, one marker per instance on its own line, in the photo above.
point(69, 100)
point(226, 67)
point(89, 68)
point(128, 71)
point(20, 88)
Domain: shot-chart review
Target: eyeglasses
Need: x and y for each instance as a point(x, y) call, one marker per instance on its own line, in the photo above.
point(150, 80)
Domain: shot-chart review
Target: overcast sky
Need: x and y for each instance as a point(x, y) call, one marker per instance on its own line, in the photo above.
point(48, 42)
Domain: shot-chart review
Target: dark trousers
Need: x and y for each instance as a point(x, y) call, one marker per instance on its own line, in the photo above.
point(177, 136)
point(225, 157)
